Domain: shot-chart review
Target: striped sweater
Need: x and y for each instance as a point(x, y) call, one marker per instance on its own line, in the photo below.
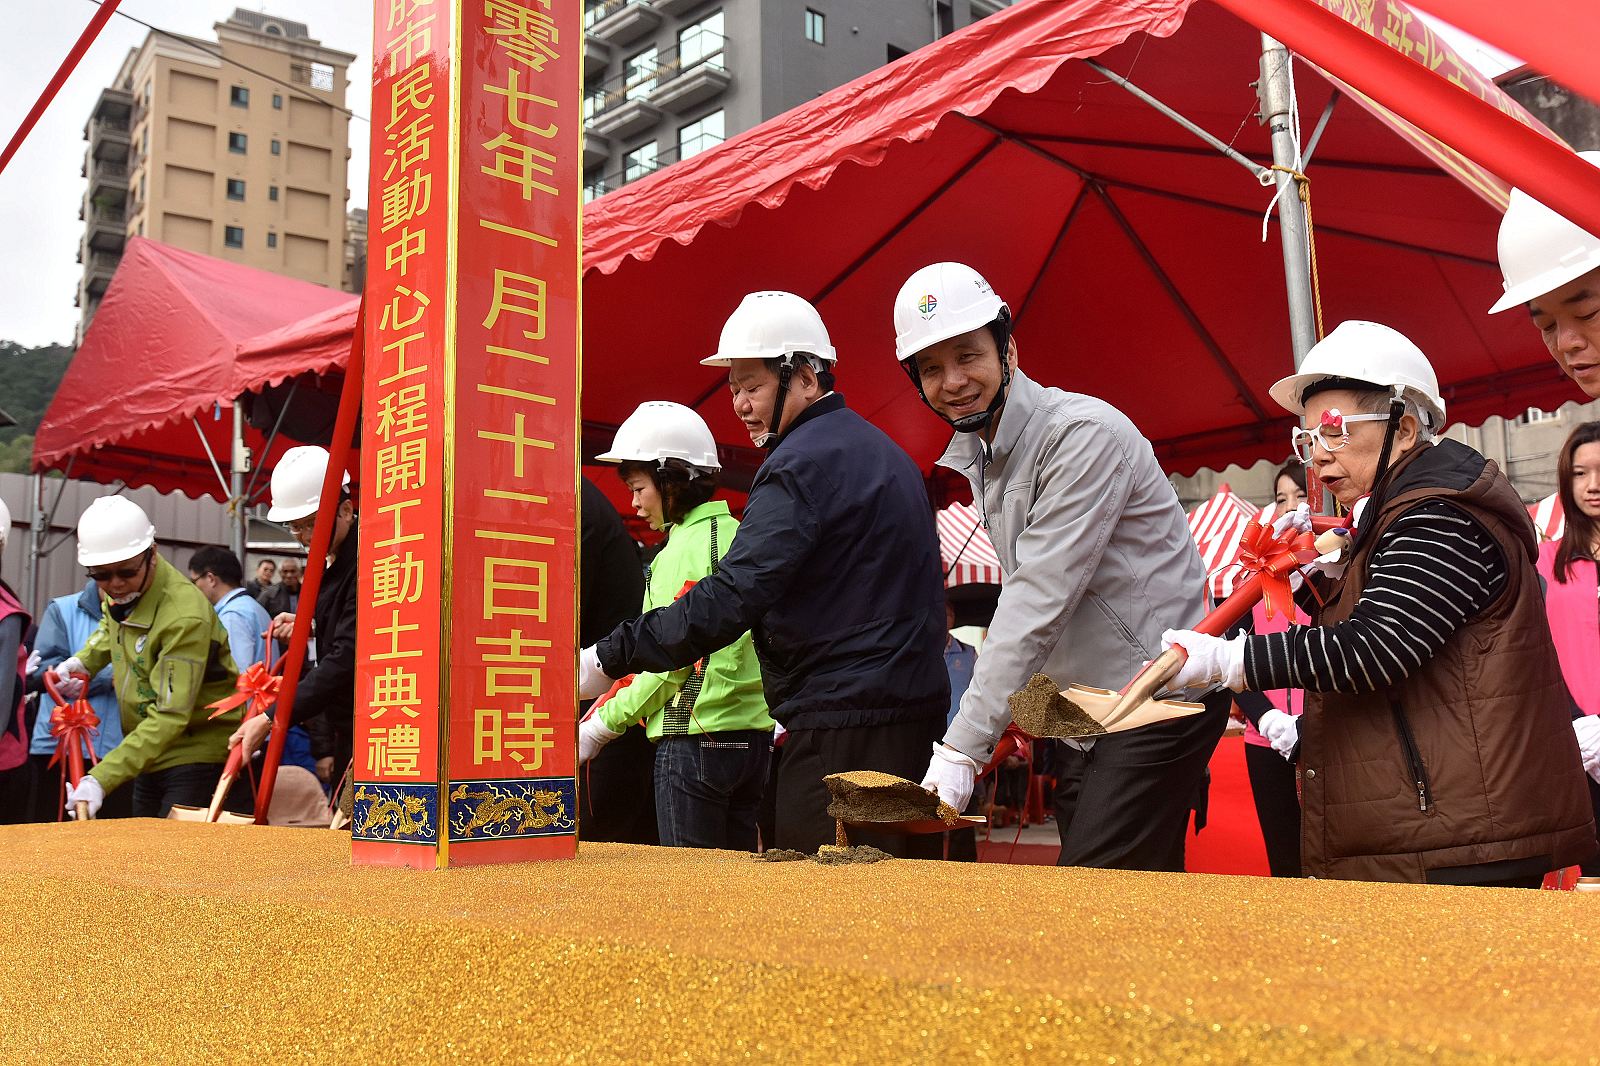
point(1433, 569)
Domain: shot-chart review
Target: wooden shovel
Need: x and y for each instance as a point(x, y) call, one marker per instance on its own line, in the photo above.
point(1084, 711)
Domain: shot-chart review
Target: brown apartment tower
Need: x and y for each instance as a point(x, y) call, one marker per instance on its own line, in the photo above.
point(237, 148)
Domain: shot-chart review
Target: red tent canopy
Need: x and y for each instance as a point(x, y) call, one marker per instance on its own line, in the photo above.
point(1130, 251)
point(162, 355)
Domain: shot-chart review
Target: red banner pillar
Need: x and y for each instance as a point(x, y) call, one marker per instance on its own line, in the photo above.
point(466, 694)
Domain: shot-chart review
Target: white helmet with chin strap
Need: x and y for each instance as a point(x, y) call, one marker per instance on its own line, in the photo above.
point(1358, 354)
point(297, 483)
point(112, 529)
point(775, 325)
point(1540, 250)
point(945, 300)
point(659, 430)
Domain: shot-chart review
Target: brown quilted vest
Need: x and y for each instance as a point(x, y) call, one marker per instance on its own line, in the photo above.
point(1472, 758)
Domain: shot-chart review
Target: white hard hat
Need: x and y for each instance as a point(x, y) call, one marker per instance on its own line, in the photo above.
point(113, 528)
point(661, 429)
point(297, 483)
point(1540, 250)
point(771, 325)
point(1370, 353)
point(941, 301)
point(5, 523)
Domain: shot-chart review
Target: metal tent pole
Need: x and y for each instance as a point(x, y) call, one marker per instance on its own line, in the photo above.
point(37, 530)
point(239, 467)
point(1276, 93)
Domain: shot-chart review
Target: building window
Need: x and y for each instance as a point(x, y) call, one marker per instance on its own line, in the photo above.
point(638, 74)
point(272, 240)
point(239, 96)
point(701, 42)
point(701, 134)
point(893, 53)
point(233, 236)
point(272, 193)
point(144, 141)
point(945, 13)
point(815, 32)
point(236, 143)
point(277, 101)
point(235, 189)
point(277, 149)
point(639, 162)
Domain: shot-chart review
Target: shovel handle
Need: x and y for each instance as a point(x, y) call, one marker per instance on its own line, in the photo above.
point(82, 810)
point(1227, 613)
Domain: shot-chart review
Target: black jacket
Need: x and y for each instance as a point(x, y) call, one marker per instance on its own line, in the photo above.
point(836, 573)
point(277, 599)
point(611, 577)
point(328, 690)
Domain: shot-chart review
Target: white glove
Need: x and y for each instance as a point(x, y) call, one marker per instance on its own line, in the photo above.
point(88, 791)
point(951, 775)
point(1587, 729)
point(592, 681)
point(33, 664)
point(69, 686)
point(1281, 730)
point(1298, 519)
point(593, 734)
point(1212, 661)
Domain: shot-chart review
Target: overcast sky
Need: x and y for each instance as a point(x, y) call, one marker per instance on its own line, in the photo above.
point(41, 191)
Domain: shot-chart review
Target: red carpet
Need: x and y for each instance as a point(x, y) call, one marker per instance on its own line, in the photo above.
point(1230, 844)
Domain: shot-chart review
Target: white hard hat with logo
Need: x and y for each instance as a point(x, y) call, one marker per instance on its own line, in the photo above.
point(1540, 250)
point(941, 301)
point(1369, 353)
point(113, 528)
point(661, 429)
point(771, 325)
point(297, 483)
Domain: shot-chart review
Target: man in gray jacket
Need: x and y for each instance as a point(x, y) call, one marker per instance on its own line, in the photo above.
point(1098, 562)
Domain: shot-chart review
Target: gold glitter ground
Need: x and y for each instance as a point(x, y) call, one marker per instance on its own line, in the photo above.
point(180, 942)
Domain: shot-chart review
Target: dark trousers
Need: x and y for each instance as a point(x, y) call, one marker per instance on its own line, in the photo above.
point(809, 755)
point(47, 801)
point(617, 800)
point(189, 785)
point(1277, 799)
point(1124, 804)
point(708, 789)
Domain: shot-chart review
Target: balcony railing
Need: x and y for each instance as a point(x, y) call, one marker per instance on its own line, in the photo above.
point(703, 50)
point(637, 169)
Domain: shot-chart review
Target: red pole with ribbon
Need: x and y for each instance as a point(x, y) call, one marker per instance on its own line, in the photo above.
point(344, 428)
point(85, 39)
point(74, 726)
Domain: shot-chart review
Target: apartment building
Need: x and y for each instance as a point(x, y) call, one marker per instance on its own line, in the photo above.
point(237, 148)
point(666, 79)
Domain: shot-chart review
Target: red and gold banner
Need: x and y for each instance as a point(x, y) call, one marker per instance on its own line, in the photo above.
point(465, 708)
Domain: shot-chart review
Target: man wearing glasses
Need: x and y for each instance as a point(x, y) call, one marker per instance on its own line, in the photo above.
point(169, 655)
point(327, 691)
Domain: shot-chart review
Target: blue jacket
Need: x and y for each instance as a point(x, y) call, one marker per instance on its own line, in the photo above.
point(67, 623)
point(246, 622)
point(836, 574)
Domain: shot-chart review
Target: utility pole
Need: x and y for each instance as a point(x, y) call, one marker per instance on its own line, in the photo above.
point(1275, 92)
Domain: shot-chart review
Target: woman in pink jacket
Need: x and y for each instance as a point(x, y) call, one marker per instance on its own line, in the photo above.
point(1571, 593)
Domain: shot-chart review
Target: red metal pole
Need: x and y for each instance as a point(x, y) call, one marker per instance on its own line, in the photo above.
point(85, 39)
point(344, 428)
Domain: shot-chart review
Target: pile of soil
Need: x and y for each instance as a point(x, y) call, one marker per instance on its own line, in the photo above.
point(869, 796)
point(834, 856)
point(1041, 710)
point(782, 855)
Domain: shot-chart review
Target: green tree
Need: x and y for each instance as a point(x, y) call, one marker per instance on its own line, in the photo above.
point(30, 377)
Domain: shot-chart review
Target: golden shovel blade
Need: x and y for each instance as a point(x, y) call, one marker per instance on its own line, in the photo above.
point(181, 813)
point(1043, 709)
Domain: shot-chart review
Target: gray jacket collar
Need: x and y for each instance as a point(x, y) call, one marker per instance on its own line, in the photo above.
point(966, 448)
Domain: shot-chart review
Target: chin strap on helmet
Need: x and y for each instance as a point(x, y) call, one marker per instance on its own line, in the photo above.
point(785, 374)
point(1000, 329)
point(1397, 407)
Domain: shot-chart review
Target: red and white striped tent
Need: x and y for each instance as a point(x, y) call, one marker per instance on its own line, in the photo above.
point(965, 549)
point(1548, 517)
point(1216, 527)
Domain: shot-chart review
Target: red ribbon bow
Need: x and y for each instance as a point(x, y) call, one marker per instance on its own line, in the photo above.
point(257, 687)
point(73, 725)
point(1274, 558)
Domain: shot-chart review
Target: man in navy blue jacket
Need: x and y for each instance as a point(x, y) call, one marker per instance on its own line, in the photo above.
point(835, 571)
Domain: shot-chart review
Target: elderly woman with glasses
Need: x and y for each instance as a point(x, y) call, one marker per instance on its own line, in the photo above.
point(1436, 744)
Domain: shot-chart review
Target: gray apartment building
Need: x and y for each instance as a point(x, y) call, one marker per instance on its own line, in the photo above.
point(666, 79)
